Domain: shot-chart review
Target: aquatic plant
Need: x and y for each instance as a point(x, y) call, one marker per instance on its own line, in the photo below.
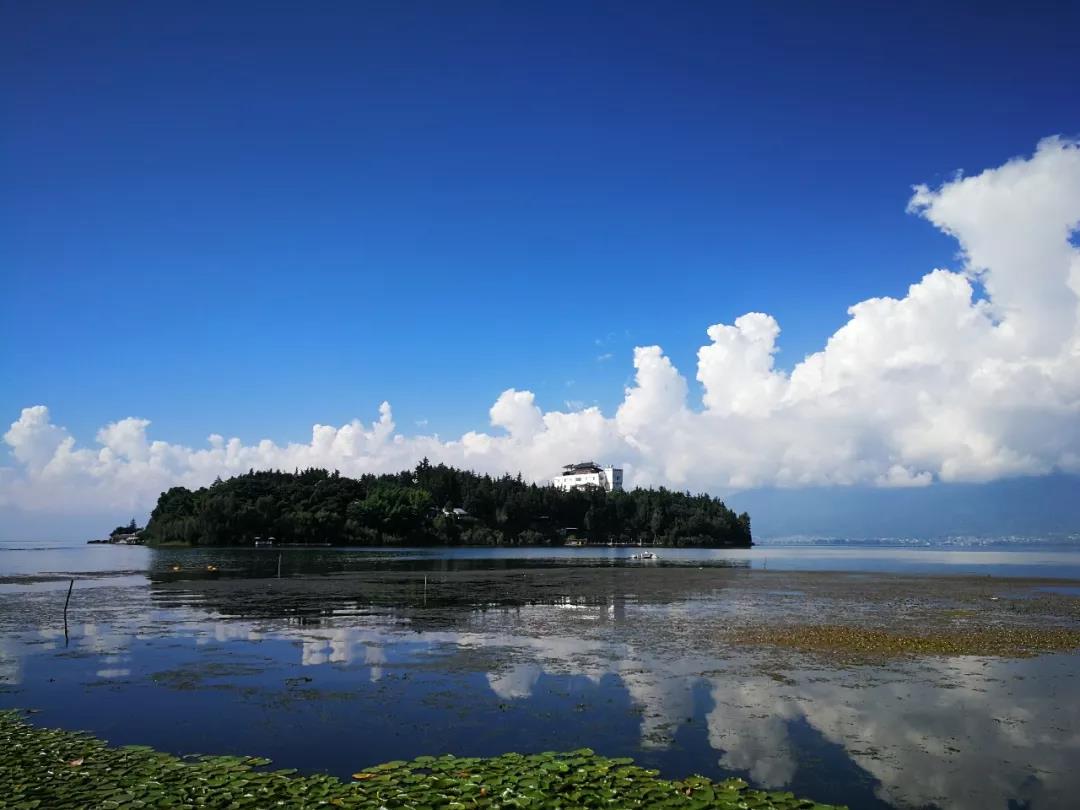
point(51, 768)
point(873, 643)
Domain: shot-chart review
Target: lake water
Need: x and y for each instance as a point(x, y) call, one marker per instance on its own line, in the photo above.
point(358, 656)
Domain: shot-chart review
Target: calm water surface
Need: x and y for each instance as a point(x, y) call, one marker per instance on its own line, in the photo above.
point(320, 674)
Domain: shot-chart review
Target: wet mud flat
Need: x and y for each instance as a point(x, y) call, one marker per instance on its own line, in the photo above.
point(846, 616)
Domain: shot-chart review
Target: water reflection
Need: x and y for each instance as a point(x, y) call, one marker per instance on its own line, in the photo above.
point(171, 565)
point(343, 673)
point(964, 733)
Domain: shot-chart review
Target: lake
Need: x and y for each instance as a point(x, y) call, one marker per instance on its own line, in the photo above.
point(357, 656)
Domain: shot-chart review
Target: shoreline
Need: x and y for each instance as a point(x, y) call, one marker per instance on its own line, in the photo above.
point(413, 544)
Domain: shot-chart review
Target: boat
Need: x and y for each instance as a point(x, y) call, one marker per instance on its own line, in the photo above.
point(645, 555)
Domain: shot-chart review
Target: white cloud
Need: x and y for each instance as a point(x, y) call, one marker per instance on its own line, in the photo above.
point(736, 369)
point(33, 439)
point(516, 682)
point(973, 375)
point(750, 725)
point(517, 412)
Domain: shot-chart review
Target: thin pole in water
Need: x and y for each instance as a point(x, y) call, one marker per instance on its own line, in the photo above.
point(279, 566)
point(66, 601)
point(425, 589)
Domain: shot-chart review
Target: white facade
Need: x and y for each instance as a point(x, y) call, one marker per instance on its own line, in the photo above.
point(576, 476)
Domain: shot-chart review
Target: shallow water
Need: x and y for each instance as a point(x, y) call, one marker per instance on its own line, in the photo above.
point(994, 558)
point(325, 669)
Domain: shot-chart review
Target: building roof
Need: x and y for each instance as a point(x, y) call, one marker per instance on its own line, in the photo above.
point(581, 467)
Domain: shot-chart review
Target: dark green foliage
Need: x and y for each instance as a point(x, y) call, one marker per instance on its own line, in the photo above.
point(45, 768)
point(316, 506)
point(131, 528)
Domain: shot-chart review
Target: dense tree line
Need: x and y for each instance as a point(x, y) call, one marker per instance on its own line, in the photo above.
point(418, 507)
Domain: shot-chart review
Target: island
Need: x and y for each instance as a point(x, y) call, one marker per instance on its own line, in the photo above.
point(129, 535)
point(435, 504)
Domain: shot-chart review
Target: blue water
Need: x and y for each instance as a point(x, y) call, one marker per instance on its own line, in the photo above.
point(1027, 558)
point(208, 651)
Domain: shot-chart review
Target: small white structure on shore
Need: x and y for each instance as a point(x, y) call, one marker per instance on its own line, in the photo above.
point(588, 474)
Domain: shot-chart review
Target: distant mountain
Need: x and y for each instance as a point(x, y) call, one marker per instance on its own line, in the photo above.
point(1044, 505)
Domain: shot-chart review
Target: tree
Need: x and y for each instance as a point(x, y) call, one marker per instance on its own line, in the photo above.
point(656, 523)
point(131, 528)
point(316, 506)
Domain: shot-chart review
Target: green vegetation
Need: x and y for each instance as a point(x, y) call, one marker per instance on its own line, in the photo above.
point(46, 768)
point(868, 643)
point(119, 531)
point(418, 506)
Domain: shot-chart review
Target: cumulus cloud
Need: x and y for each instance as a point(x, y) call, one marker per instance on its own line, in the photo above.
point(516, 682)
point(973, 375)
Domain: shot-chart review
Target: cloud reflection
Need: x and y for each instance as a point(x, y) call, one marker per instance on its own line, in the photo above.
point(962, 732)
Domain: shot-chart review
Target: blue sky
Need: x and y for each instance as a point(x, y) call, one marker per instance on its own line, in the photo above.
point(270, 215)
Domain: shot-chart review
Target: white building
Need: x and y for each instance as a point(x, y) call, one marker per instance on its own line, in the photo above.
point(589, 474)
